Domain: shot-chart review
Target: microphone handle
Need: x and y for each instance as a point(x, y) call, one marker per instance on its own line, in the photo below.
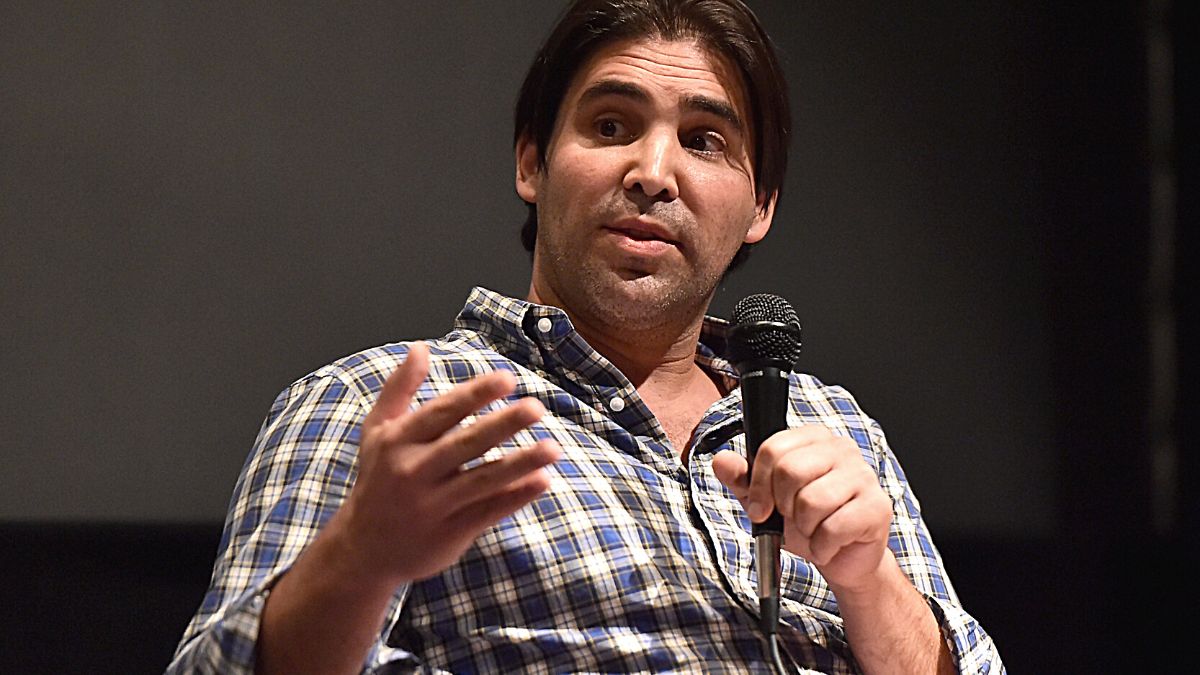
point(764, 412)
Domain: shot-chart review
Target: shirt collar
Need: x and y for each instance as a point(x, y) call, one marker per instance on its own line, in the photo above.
point(521, 329)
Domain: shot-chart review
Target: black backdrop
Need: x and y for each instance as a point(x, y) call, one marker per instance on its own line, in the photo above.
point(201, 203)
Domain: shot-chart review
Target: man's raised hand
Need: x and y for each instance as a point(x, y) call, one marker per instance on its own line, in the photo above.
point(414, 509)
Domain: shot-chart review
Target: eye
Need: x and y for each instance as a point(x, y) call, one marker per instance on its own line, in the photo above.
point(611, 128)
point(705, 142)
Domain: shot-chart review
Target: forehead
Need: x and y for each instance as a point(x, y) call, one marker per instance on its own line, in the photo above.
point(673, 69)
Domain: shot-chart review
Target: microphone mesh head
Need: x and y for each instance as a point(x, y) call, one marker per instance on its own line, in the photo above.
point(754, 337)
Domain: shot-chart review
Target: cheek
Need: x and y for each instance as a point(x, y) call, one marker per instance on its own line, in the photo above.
point(580, 168)
point(724, 189)
point(731, 209)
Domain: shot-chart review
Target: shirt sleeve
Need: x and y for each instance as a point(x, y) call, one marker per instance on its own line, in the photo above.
point(971, 647)
point(301, 468)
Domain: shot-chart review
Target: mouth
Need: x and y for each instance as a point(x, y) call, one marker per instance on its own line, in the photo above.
point(642, 231)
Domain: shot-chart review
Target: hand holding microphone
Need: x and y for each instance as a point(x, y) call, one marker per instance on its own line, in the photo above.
point(764, 345)
point(804, 484)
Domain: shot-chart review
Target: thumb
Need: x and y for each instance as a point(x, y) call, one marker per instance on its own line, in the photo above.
point(731, 469)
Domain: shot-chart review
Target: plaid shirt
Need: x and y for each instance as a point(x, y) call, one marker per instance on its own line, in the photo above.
point(630, 562)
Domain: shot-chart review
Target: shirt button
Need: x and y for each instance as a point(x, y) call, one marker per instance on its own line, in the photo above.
point(545, 324)
point(617, 404)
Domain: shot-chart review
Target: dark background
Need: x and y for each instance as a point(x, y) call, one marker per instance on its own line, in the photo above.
point(201, 202)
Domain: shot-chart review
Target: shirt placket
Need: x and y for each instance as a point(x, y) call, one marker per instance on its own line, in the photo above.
point(718, 514)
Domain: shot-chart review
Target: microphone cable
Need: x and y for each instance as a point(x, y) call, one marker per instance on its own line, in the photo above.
point(776, 660)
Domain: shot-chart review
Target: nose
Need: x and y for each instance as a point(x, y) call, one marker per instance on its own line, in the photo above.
point(652, 168)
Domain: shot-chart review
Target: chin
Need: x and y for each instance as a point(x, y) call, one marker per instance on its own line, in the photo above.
point(646, 301)
point(634, 295)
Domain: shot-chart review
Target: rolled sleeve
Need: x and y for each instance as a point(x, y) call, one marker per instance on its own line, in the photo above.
point(228, 643)
point(970, 646)
point(301, 468)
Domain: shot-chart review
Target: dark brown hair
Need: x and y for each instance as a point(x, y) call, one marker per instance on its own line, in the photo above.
point(727, 27)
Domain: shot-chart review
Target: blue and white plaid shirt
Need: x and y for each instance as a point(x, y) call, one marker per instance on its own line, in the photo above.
point(632, 561)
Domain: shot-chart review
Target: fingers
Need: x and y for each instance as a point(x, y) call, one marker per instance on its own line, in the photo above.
point(413, 504)
point(492, 491)
point(430, 442)
point(401, 385)
point(490, 478)
point(480, 515)
point(785, 462)
point(434, 418)
point(852, 523)
point(816, 501)
point(834, 510)
point(466, 443)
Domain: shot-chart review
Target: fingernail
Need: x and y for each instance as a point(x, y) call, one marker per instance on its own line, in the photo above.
point(752, 510)
point(537, 408)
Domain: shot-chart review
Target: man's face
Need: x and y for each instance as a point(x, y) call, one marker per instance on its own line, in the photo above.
point(648, 189)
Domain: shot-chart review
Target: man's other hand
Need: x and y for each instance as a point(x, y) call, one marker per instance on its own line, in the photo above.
point(835, 513)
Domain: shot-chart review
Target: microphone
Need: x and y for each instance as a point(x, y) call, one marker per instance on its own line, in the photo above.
point(764, 346)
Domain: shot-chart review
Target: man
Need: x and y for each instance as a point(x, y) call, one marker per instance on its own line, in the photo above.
point(559, 484)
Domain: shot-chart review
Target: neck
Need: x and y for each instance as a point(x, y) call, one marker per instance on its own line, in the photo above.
point(661, 358)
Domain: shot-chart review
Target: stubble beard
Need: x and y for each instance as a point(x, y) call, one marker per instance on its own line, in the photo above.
point(649, 303)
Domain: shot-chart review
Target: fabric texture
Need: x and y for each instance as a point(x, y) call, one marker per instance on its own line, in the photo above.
point(630, 562)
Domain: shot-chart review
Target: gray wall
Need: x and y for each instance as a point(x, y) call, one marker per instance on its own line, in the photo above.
point(200, 202)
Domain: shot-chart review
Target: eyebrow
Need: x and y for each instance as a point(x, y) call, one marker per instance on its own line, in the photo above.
point(632, 91)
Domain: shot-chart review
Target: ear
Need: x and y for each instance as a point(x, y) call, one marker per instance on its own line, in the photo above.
point(764, 211)
point(529, 175)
